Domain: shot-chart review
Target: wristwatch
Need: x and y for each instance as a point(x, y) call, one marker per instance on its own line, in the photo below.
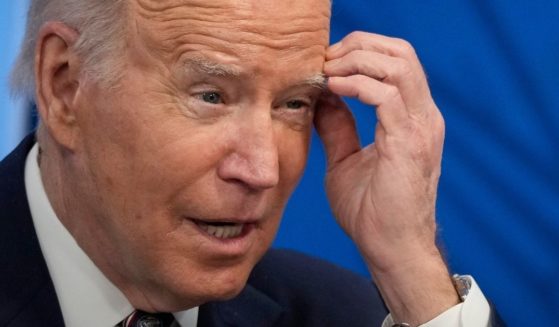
point(462, 285)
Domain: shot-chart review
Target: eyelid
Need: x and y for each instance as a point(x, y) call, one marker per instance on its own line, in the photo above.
point(229, 92)
point(307, 100)
point(202, 88)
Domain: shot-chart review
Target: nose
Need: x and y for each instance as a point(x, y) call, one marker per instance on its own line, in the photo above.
point(253, 159)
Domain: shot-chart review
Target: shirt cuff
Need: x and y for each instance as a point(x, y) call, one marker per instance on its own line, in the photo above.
point(473, 312)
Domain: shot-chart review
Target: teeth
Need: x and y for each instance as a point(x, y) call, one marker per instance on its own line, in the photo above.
point(222, 232)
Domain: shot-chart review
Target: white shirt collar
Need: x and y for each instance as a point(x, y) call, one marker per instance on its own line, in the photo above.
point(86, 296)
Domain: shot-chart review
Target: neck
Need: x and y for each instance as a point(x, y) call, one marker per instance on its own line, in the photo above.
point(66, 190)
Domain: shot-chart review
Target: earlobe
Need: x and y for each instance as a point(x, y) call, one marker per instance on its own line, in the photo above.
point(57, 80)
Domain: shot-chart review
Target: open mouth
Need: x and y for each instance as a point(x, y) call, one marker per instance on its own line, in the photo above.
point(222, 230)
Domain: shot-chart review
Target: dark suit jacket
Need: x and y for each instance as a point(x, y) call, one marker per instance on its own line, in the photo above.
point(285, 289)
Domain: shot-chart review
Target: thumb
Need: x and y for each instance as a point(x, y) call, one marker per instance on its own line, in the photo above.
point(336, 127)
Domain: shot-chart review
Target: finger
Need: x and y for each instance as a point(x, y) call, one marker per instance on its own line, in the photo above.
point(389, 46)
point(390, 108)
point(336, 127)
point(391, 70)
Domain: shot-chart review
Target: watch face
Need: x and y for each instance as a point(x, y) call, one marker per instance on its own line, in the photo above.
point(462, 284)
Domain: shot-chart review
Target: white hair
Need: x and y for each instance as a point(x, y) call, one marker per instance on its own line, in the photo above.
point(101, 27)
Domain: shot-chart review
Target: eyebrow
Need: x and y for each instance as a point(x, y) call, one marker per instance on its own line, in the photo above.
point(319, 81)
point(208, 67)
point(205, 66)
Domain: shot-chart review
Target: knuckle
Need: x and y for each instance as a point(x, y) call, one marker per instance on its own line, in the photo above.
point(391, 93)
point(439, 121)
point(356, 35)
point(404, 68)
point(405, 47)
point(359, 38)
point(400, 69)
point(438, 127)
point(362, 64)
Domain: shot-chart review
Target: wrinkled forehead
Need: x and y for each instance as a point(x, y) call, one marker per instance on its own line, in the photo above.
point(241, 9)
point(284, 24)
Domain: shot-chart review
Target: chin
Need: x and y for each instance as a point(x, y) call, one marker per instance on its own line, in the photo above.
point(180, 301)
point(221, 289)
point(213, 287)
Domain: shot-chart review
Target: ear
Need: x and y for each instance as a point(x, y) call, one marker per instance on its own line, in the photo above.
point(57, 81)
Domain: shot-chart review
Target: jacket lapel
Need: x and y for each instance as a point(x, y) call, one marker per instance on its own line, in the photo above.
point(27, 295)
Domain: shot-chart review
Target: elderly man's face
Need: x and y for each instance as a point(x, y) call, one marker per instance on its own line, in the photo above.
point(189, 163)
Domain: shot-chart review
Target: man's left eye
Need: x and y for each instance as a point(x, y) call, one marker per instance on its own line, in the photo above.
point(295, 104)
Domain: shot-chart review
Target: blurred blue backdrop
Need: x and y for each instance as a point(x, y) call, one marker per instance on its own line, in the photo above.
point(13, 116)
point(493, 67)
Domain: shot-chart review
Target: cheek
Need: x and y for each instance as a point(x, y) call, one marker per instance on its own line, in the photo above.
point(176, 172)
point(142, 155)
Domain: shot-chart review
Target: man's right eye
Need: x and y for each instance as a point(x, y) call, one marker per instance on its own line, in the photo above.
point(211, 97)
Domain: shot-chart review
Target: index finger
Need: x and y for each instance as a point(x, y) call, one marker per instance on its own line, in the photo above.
point(404, 72)
point(390, 46)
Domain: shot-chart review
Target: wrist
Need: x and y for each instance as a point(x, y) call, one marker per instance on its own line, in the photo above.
point(417, 290)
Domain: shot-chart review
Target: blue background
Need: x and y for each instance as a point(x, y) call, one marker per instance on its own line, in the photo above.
point(493, 67)
point(12, 114)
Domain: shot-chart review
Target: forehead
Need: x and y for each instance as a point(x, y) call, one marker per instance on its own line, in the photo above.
point(262, 13)
point(249, 29)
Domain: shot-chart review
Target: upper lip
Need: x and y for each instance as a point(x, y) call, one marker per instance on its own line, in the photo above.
point(234, 220)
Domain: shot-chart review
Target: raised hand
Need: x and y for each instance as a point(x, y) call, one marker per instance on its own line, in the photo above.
point(383, 195)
